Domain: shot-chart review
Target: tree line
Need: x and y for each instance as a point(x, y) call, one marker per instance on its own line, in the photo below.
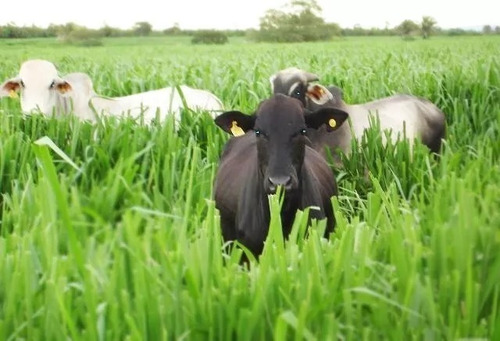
point(300, 20)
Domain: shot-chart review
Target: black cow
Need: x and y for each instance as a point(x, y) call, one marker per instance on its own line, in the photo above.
point(401, 114)
point(271, 149)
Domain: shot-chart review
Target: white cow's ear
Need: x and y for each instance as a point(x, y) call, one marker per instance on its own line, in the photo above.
point(62, 86)
point(10, 87)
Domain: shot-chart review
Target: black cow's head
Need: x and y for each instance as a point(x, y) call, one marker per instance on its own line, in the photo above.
point(297, 83)
point(280, 126)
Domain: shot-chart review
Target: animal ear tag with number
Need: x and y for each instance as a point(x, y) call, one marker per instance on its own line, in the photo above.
point(332, 123)
point(318, 94)
point(236, 130)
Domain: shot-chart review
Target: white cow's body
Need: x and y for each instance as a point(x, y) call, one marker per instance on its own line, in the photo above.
point(166, 100)
point(43, 90)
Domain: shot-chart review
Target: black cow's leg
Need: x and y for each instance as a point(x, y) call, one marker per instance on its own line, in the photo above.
point(228, 228)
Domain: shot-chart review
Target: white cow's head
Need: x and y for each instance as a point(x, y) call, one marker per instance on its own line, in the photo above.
point(40, 86)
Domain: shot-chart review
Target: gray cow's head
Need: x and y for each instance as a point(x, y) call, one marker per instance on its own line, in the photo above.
point(280, 126)
point(298, 84)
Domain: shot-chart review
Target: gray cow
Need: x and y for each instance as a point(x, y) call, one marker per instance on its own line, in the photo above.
point(402, 115)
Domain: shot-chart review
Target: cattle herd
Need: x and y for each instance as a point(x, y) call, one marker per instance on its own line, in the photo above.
point(283, 144)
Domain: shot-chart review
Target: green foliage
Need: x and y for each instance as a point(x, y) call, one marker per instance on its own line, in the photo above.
point(427, 26)
point(12, 31)
point(210, 37)
point(487, 29)
point(301, 23)
point(325, 30)
point(407, 27)
point(357, 30)
point(174, 30)
point(83, 37)
point(114, 235)
point(142, 28)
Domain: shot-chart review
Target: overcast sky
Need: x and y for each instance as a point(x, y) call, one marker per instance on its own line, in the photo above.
point(236, 14)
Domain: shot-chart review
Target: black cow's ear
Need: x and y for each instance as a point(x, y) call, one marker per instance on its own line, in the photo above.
point(331, 117)
point(235, 122)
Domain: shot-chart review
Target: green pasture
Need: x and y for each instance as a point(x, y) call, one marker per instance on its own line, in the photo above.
point(109, 231)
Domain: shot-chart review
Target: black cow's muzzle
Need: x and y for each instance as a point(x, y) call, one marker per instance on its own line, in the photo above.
point(273, 183)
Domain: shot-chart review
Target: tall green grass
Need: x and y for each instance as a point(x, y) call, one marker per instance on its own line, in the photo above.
point(114, 234)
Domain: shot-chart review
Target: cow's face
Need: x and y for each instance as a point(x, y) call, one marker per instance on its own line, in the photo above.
point(280, 131)
point(39, 86)
point(292, 82)
point(298, 84)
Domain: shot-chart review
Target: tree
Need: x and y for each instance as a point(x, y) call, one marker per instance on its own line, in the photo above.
point(427, 26)
point(142, 28)
point(174, 30)
point(64, 31)
point(106, 31)
point(299, 21)
point(487, 29)
point(407, 27)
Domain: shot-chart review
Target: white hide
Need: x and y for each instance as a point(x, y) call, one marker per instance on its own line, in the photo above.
point(166, 100)
point(41, 89)
point(397, 117)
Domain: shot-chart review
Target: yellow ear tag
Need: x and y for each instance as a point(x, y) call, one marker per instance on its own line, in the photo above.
point(235, 130)
point(332, 123)
point(13, 94)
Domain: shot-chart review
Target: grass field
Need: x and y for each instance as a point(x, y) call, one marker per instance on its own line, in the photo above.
point(116, 237)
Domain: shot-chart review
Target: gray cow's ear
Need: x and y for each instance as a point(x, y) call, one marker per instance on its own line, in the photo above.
point(235, 123)
point(332, 118)
point(318, 94)
point(10, 87)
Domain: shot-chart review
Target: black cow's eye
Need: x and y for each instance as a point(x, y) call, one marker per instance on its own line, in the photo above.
point(257, 132)
point(51, 86)
point(303, 132)
point(22, 83)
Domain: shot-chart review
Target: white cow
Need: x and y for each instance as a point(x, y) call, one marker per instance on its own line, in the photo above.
point(400, 114)
point(43, 90)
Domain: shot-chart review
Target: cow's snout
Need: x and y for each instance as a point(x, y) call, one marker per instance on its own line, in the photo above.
point(274, 182)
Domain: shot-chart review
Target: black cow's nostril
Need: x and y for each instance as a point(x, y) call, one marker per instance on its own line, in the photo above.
point(285, 181)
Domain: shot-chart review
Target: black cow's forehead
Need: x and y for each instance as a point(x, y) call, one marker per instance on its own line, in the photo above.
point(280, 111)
